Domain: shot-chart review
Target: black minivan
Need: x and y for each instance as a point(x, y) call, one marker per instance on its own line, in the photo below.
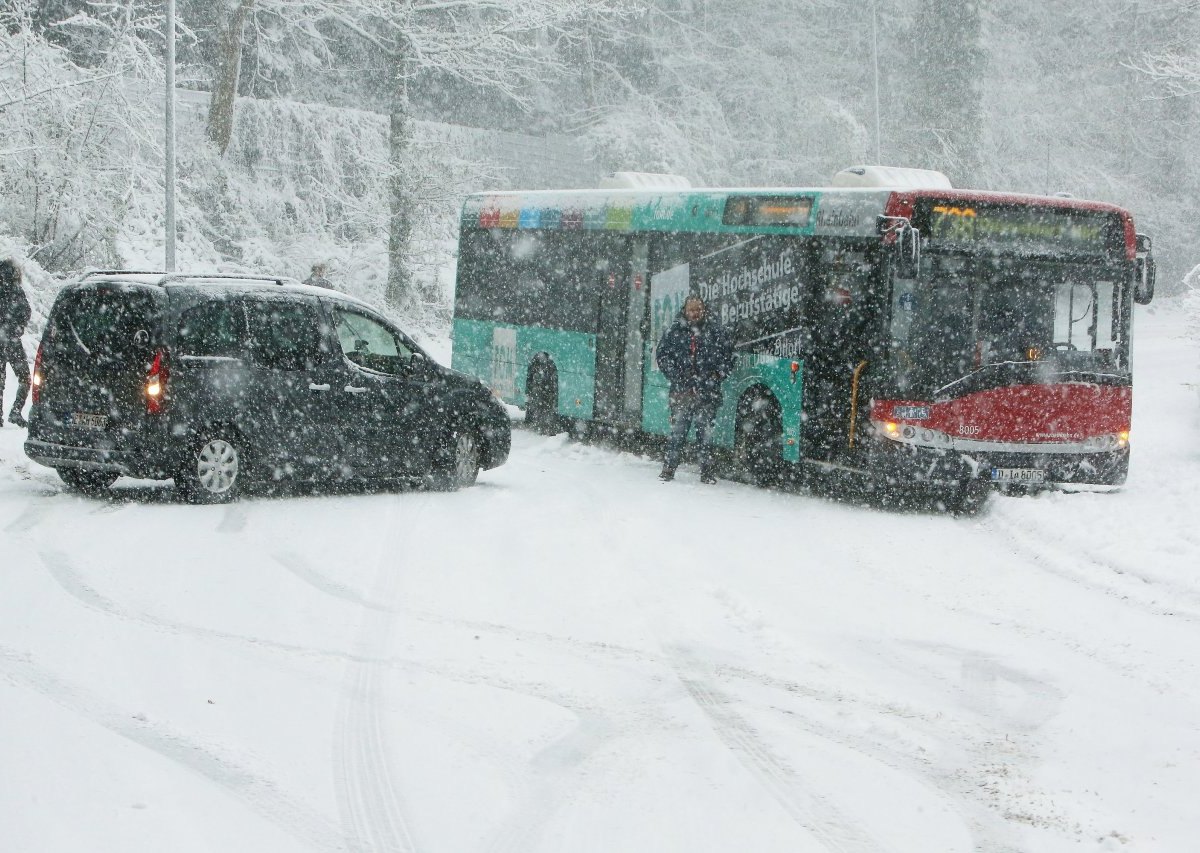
point(217, 380)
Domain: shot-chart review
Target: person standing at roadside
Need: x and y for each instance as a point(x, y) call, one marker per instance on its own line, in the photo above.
point(318, 279)
point(14, 315)
point(695, 354)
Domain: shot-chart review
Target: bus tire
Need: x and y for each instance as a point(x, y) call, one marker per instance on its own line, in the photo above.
point(541, 398)
point(758, 440)
point(968, 499)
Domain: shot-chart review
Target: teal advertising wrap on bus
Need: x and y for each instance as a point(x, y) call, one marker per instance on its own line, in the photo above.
point(500, 355)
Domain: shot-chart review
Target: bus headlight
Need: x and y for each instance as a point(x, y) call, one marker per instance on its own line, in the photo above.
point(914, 435)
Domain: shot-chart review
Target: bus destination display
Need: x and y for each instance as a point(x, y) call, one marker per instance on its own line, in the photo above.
point(768, 210)
point(1024, 229)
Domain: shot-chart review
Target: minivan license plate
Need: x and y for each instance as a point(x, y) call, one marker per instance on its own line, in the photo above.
point(88, 420)
point(1018, 475)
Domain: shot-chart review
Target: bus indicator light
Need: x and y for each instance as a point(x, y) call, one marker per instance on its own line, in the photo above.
point(1123, 438)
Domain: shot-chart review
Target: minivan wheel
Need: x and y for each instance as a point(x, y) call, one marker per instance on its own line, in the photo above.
point(87, 481)
point(214, 470)
point(459, 466)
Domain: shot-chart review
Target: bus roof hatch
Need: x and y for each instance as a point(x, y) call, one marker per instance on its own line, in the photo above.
point(891, 177)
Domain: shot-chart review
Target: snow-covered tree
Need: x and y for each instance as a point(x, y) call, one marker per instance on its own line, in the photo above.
point(67, 123)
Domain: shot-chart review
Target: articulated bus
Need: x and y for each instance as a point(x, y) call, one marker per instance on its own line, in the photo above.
point(889, 328)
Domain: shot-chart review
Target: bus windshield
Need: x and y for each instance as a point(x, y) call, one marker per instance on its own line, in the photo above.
point(960, 318)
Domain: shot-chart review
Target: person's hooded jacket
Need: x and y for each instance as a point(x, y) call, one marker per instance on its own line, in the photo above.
point(14, 304)
point(696, 358)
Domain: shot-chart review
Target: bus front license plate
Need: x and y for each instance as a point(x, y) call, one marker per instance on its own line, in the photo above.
point(1018, 475)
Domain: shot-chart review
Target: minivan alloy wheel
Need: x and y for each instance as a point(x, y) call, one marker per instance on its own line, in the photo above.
point(466, 457)
point(217, 466)
point(459, 467)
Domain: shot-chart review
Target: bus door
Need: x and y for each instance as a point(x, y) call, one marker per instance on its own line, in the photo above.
point(611, 337)
point(636, 328)
point(838, 330)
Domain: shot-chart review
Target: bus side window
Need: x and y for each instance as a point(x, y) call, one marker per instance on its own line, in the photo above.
point(482, 267)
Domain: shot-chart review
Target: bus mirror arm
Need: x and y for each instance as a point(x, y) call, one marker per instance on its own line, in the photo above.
point(1144, 272)
point(1144, 275)
point(906, 242)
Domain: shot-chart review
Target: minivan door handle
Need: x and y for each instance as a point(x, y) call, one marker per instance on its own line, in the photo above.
point(312, 386)
point(354, 389)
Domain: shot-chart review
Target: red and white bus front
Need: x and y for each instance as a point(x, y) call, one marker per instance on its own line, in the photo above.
point(1009, 348)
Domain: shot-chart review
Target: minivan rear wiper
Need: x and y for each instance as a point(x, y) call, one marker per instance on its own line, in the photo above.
point(78, 340)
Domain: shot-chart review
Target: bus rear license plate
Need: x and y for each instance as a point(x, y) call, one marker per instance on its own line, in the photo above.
point(1018, 475)
point(88, 420)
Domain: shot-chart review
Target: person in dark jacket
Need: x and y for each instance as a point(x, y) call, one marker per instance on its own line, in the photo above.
point(695, 354)
point(14, 314)
point(318, 277)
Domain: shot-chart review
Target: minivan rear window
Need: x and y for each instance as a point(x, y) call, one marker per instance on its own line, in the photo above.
point(103, 326)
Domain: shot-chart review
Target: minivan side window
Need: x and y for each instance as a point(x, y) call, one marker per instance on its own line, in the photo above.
point(286, 335)
point(368, 343)
point(213, 329)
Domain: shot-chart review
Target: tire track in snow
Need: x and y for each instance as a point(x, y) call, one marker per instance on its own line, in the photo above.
point(64, 573)
point(298, 819)
point(555, 771)
point(1044, 552)
point(33, 514)
point(368, 793)
point(303, 570)
point(962, 792)
point(796, 795)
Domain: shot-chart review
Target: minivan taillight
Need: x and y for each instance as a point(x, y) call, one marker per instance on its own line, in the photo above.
point(37, 380)
point(156, 383)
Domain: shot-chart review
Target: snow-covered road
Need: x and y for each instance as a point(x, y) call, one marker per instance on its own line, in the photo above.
point(572, 656)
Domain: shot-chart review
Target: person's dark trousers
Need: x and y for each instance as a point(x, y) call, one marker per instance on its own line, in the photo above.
point(688, 410)
point(13, 353)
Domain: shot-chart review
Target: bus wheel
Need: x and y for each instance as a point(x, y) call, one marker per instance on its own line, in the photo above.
point(968, 499)
point(759, 439)
point(541, 399)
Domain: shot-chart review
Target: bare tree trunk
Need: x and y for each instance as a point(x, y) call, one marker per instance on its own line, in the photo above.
point(400, 291)
point(229, 58)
